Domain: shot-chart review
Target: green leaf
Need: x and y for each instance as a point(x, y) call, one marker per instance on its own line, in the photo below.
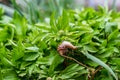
point(109, 27)
point(32, 49)
point(86, 38)
point(82, 29)
point(51, 60)
point(53, 24)
point(93, 58)
point(57, 60)
point(64, 21)
point(43, 27)
point(6, 62)
point(24, 65)
point(45, 60)
point(20, 25)
point(91, 63)
point(1, 12)
point(108, 52)
point(91, 48)
point(31, 56)
point(22, 74)
point(30, 69)
point(18, 51)
point(5, 34)
point(70, 71)
point(113, 35)
point(9, 74)
point(104, 43)
point(116, 61)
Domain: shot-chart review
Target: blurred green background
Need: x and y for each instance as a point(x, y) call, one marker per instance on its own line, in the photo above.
point(40, 10)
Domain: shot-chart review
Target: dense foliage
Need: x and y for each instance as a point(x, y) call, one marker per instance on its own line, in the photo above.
point(29, 52)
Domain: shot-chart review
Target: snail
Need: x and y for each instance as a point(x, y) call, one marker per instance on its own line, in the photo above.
point(64, 46)
point(63, 49)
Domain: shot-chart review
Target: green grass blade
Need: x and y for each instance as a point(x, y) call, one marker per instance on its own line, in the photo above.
point(93, 58)
point(16, 7)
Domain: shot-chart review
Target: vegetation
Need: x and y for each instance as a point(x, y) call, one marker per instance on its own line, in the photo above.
point(29, 51)
point(39, 10)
